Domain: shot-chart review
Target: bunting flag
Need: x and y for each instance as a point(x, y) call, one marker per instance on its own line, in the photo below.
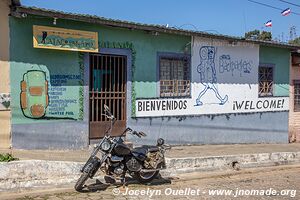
point(286, 12)
point(268, 23)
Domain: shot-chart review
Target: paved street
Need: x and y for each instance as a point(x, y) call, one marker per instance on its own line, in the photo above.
point(260, 183)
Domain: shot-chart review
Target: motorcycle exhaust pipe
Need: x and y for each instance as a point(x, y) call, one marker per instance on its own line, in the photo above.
point(148, 170)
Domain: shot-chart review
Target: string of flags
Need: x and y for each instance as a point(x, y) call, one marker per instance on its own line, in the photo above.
point(285, 12)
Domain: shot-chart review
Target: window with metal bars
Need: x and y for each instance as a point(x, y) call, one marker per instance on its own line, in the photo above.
point(266, 81)
point(174, 76)
point(297, 95)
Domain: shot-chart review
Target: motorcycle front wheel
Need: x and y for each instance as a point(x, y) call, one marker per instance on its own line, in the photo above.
point(145, 177)
point(80, 183)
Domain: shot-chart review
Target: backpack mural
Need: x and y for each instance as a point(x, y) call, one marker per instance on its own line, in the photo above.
point(45, 96)
point(34, 94)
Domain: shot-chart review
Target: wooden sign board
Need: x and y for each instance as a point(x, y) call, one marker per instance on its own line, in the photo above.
point(46, 37)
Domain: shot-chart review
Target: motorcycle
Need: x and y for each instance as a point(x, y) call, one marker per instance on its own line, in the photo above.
point(142, 163)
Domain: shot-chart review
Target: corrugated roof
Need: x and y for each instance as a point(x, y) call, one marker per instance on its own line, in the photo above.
point(19, 10)
point(15, 3)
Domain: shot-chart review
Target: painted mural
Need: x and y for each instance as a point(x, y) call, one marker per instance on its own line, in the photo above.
point(34, 94)
point(4, 101)
point(46, 93)
point(208, 76)
point(38, 101)
point(224, 80)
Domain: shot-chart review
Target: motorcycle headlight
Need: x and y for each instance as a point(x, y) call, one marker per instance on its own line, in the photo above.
point(105, 146)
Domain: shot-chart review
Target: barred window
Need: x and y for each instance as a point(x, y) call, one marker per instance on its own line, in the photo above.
point(174, 75)
point(297, 96)
point(265, 81)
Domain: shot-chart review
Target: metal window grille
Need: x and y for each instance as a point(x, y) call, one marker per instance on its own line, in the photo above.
point(174, 77)
point(297, 96)
point(265, 81)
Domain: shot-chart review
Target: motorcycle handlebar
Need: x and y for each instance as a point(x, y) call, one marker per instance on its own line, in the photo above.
point(109, 115)
point(139, 134)
point(136, 133)
point(132, 132)
point(142, 134)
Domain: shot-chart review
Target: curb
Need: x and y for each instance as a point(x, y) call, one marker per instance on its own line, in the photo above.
point(36, 173)
point(235, 162)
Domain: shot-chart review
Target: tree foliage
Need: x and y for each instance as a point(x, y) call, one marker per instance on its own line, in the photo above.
point(259, 35)
point(296, 41)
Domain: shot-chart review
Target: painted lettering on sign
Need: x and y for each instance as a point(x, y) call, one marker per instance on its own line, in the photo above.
point(161, 105)
point(231, 66)
point(259, 105)
point(59, 105)
point(41, 100)
point(64, 39)
point(224, 80)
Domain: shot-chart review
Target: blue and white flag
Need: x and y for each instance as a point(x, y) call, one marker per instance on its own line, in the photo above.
point(286, 12)
point(268, 23)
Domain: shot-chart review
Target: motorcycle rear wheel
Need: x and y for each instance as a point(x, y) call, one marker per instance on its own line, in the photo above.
point(80, 183)
point(145, 177)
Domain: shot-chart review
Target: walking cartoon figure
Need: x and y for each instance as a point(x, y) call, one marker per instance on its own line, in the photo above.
point(207, 72)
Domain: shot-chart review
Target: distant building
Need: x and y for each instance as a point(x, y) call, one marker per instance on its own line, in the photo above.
point(5, 121)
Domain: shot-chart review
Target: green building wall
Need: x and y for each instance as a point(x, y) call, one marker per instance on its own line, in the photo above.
point(281, 58)
point(146, 46)
point(63, 132)
point(24, 57)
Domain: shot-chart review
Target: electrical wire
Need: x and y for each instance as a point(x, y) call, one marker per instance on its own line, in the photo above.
point(267, 5)
point(290, 3)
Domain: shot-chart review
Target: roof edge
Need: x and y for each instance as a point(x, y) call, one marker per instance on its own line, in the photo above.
point(21, 11)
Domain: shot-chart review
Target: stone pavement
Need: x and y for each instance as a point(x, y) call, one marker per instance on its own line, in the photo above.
point(284, 180)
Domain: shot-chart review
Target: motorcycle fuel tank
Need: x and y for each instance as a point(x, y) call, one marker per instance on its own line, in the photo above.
point(121, 150)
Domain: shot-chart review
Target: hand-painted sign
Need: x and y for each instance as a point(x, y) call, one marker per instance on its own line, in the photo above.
point(4, 101)
point(64, 39)
point(39, 101)
point(224, 80)
point(183, 107)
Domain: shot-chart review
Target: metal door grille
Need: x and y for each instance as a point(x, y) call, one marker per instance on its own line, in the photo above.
point(107, 86)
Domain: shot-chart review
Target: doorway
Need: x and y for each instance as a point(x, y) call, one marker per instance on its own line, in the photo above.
point(107, 86)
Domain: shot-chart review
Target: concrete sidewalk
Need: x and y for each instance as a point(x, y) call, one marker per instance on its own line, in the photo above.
point(41, 168)
point(175, 152)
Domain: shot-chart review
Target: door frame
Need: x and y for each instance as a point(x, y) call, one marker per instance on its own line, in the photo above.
point(111, 51)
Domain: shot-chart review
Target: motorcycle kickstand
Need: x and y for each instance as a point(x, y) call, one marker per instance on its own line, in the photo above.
point(123, 181)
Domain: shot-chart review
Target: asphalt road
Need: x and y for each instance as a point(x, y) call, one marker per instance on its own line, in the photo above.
point(281, 182)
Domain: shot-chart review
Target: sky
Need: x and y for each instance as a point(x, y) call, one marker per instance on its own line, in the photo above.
point(227, 17)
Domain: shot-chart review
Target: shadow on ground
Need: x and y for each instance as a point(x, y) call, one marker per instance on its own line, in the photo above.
point(103, 185)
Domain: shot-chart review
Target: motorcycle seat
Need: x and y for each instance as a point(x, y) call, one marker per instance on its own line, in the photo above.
point(141, 152)
point(146, 148)
point(153, 148)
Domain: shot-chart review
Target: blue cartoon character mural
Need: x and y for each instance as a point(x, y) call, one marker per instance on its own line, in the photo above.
point(208, 76)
